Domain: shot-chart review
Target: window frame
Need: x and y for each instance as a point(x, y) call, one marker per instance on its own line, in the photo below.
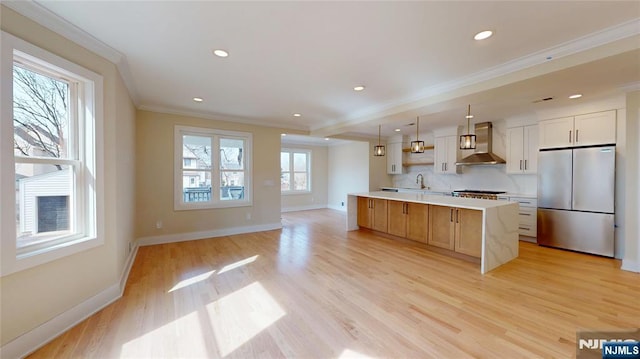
point(215, 135)
point(87, 110)
point(308, 153)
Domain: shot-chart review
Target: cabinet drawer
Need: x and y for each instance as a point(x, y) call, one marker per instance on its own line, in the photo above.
point(527, 215)
point(525, 202)
point(527, 230)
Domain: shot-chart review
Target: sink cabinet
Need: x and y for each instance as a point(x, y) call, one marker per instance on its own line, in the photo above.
point(372, 213)
point(408, 220)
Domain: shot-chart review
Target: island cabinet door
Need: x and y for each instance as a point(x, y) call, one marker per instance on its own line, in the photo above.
point(379, 211)
point(468, 238)
point(397, 218)
point(441, 226)
point(417, 215)
point(364, 212)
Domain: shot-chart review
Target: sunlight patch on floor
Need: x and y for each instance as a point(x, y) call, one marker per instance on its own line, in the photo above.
point(189, 281)
point(350, 354)
point(241, 315)
point(172, 338)
point(237, 264)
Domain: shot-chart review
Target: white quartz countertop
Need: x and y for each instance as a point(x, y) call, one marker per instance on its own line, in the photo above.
point(470, 203)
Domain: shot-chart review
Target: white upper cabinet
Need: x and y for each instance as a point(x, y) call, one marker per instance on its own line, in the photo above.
point(394, 158)
point(522, 150)
point(595, 129)
point(583, 130)
point(446, 155)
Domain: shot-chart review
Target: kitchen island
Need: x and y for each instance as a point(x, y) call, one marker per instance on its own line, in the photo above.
point(483, 229)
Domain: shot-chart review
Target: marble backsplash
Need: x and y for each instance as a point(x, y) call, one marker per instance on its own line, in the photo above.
point(492, 177)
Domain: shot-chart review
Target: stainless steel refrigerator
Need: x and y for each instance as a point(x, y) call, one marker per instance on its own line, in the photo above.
point(576, 190)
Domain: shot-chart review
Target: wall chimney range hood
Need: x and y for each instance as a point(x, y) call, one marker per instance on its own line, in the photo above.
point(483, 154)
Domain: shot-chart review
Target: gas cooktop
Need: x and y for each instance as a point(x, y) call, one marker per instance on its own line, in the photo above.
point(478, 191)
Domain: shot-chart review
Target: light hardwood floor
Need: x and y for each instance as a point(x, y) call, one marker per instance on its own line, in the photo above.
point(313, 290)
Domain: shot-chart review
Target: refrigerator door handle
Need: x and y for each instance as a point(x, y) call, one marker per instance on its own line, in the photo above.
point(577, 136)
point(569, 136)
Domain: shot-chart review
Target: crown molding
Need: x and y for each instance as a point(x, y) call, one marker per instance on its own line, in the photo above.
point(222, 117)
point(62, 27)
point(575, 46)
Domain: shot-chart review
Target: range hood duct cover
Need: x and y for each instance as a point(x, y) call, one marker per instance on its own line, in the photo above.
point(483, 154)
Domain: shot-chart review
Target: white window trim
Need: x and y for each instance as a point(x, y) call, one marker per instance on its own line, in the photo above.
point(12, 261)
point(178, 203)
point(310, 184)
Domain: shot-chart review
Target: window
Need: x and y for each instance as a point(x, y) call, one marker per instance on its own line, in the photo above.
point(53, 168)
point(212, 168)
point(295, 168)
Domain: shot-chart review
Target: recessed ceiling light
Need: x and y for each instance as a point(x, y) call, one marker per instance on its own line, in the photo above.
point(483, 35)
point(578, 95)
point(198, 99)
point(296, 115)
point(326, 138)
point(358, 88)
point(283, 134)
point(220, 53)
point(397, 130)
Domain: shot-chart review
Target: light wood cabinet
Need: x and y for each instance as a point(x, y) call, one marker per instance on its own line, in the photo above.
point(457, 229)
point(394, 158)
point(522, 150)
point(468, 232)
point(408, 220)
point(372, 213)
point(441, 227)
point(583, 130)
point(446, 155)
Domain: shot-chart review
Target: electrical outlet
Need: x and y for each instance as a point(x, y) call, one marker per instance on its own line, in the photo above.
point(248, 216)
point(158, 224)
point(342, 204)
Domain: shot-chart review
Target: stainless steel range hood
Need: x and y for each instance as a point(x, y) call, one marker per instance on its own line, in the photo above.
point(483, 154)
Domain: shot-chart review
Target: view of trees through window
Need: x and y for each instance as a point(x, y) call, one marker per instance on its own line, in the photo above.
point(197, 168)
point(43, 146)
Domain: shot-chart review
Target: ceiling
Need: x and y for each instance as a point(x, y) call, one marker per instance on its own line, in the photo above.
point(414, 58)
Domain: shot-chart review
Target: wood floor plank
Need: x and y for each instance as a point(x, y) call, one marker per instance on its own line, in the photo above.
point(314, 290)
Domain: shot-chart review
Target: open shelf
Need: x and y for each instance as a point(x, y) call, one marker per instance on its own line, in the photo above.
point(408, 164)
point(425, 148)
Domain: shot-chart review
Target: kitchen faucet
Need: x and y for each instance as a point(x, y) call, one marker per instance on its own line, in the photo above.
point(420, 180)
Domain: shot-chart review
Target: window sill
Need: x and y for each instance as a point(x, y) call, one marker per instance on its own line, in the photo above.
point(225, 204)
point(293, 193)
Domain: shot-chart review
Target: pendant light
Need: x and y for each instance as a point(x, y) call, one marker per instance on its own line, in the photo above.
point(379, 150)
point(417, 146)
point(468, 141)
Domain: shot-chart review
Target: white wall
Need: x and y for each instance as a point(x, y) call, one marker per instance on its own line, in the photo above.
point(319, 182)
point(348, 172)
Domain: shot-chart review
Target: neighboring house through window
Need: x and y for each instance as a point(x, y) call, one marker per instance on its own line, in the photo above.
point(56, 114)
point(213, 168)
point(295, 166)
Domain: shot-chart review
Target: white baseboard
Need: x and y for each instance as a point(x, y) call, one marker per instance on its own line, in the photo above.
point(337, 208)
point(631, 266)
point(181, 237)
point(303, 208)
point(32, 340)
